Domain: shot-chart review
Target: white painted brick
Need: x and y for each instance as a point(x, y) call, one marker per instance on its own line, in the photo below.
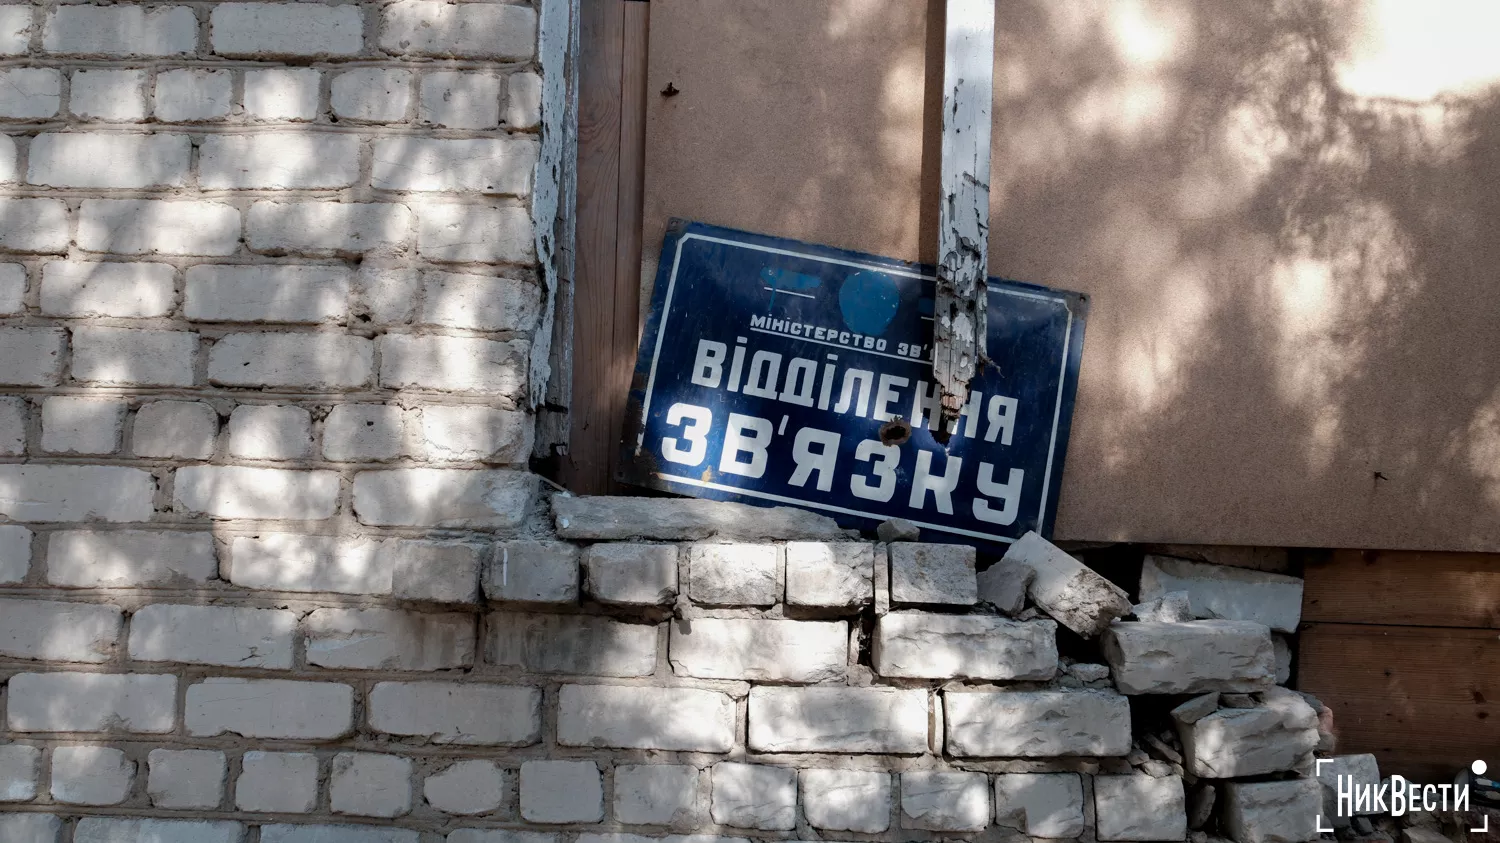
point(1218, 591)
point(91, 288)
point(186, 778)
point(475, 233)
point(924, 645)
point(277, 782)
point(405, 568)
point(31, 356)
point(75, 493)
point(15, 29)
point(1140, 807)
point(282, 93)
point(91, 775)
point(479, 302)
point(1045, 805)
point(477, 165)
point(37, 226)
point(279, 160)
point(13, 413)
point(221, 635)
point(1035, 724)
point(122, 30)
point(561, 792)
point(945, 801)
point(631, 574)
point(760, 650)
point(269, 708)
point(258, 493)
point(433, 497)
point(92, 702)
point(175, 430)
point(101, 94)
point(338, 834)
point(262, 30)
point(55, 631)
point(31, 828)
point(933, 573)
point(313, 360)
point(847, 800)
point(829, 574)
point(533, 572)
point(326, 229)
point(466, 788)
point(372, 95)
point(457, 100)
point(458, 364)
point(475, 433)
point(733, 574)
point(130, 558)
point(469, 30)
point(363, 432)
point(134, 358)
point(8, 159)
point(832, 719)
point(75, 425)
point(657, 794)
point(523, 106)
point(20, 768)
point(269, 432)
point(604, 518)
point(185, 95)
point(1189, 658)
point(369, 784)
point(108, 830)
point(29, 93)
point(88, 159)
point(754, 796)
point(633, 717)
point(385, 639)
point(386, 286)
point(458, 713)
point(147, 227)
point(12, 288)
point(15, 553)
point(573, 644)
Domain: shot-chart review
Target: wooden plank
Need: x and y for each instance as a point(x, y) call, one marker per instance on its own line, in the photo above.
point(627, 325)
point(964, 206)
point(1404, 588)
point(601, 44)
point(1422, 700)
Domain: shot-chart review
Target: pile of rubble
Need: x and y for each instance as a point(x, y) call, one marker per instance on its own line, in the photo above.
point(1208, 647)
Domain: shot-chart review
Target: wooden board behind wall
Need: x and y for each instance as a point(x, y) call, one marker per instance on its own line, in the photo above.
point(606, 299)
point(1403, 648)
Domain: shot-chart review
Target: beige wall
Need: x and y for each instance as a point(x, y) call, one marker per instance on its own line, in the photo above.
point(1293, 338)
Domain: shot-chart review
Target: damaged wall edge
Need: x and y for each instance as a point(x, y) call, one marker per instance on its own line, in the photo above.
point(554, 216)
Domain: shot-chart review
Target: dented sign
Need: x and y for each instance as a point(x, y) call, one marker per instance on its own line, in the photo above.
point(775, 372)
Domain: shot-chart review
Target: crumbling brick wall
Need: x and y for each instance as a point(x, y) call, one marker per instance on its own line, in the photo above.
point(635, 668)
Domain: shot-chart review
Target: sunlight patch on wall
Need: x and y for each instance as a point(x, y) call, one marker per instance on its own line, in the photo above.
point(1418, 51)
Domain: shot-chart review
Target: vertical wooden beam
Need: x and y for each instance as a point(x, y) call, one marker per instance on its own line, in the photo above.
point(964, 213)
point(628, 232)
point(601, 48)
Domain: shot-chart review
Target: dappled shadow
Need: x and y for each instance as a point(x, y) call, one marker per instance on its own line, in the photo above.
point(1287, 342)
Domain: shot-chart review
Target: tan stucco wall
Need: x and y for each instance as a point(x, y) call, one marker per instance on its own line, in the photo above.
point(1293, 337)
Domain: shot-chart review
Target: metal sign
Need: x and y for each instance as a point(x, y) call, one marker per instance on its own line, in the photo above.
point(775, 372)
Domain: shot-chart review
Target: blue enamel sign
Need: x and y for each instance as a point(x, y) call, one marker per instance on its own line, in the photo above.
point(774, 372)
